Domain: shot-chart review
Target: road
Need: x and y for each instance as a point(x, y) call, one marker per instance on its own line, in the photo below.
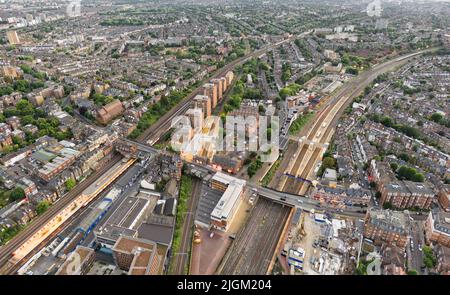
point(414, 249)
point(182, 257)
point(302, 202)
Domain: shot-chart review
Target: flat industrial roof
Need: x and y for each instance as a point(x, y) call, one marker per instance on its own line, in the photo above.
point(159, 233)
point(43, 156)
point(229, 198)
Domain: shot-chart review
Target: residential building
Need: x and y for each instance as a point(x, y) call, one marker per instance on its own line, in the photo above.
point(444, 197)
point(332, 69)
point(393, 260)
point(210, 90)
point(231, 164)
point(341, 196)
point(58, 164)
point(443, 260)
point(5, 141)
point(437, 228)
point(219, 86)
point(11, 72)
point(230, 77)
point(202, 102)
point(446, 40)
point(110, 111)
point(407, 194)
point(386, 226)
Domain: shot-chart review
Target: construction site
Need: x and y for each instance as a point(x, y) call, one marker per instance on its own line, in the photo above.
point(321, 244)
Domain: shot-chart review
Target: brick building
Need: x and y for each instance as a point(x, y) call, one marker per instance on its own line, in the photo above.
point(406, 194)
point(109, 112)
point(386, 226)
point(86, 257)
point(437, 228)
point(444, 197)
point(137, 256)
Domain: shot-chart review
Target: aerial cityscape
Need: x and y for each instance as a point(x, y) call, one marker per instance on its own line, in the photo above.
point(224, 137)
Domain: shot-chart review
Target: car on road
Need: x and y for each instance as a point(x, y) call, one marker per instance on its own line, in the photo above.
point(283, 199)
point(300, 201)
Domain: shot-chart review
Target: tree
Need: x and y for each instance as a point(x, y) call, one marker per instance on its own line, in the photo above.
point(411, 174)
point(70, 184)
point(412, 272)
point(418, 177)
point(404, 157)
point(329, 162)
point(42, 207)
point(17, 194)
point(394, 166)
point(261, 109)
point(436, 117)
point(429, 259)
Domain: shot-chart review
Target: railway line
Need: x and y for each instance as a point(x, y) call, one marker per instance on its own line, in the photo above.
point(252, 251)
point(182, 258)
point(325, 124)
point(6, 252)
point(289, 184)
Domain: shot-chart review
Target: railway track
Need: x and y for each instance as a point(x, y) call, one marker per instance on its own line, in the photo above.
point(252, 251)
point(182, 257)
point(330, 116)
point(289, 184)
point(7, 250)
